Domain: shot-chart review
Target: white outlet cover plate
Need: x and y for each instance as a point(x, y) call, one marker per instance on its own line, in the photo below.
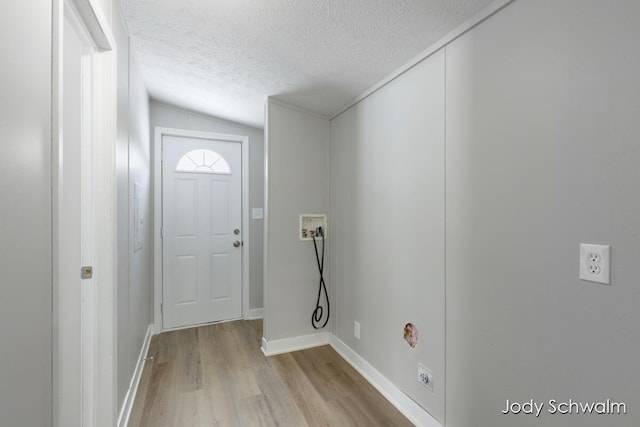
point(598, 256)
point(422, 370)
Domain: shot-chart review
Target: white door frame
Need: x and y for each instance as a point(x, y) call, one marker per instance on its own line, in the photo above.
point(102, 362)
point(157, 215)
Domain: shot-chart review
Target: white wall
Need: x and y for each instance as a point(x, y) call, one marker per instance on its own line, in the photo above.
point(387, 219)
point(297, 183)
point(164, 115)
point(122, 202)
point(135, 290)
point(25, 214)
point(141, 268)
point(542, 154)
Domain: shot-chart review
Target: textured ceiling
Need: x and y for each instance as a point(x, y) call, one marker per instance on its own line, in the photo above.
point(224, 57)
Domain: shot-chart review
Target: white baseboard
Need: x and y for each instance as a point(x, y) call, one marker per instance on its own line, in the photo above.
point(286, 345)
point(125, 411)
point(255, 313)
point(410, 409)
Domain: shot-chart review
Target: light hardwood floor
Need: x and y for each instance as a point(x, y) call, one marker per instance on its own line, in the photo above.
point(216, 375)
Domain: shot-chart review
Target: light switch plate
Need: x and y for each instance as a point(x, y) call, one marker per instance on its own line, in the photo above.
point(257, 213)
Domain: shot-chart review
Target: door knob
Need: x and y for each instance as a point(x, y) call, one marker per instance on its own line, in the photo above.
point(236, 244)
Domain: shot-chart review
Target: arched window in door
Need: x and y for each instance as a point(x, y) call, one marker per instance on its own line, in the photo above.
point(203, 161)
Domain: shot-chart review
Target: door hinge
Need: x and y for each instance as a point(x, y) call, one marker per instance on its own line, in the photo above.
point(161, 308)
point(162, 232)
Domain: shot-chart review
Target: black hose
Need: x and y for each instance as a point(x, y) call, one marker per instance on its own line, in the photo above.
point(318, 313)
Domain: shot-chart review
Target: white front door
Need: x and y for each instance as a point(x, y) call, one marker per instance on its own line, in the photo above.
point(201, 231)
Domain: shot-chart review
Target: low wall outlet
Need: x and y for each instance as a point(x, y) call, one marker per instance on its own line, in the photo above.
point(595, 262)
point(425, 377)
point(356, 329)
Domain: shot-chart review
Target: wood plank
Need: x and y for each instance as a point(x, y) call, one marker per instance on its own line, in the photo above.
point(159, 404)
point(141, 395)
point(209, 342)
point(194, 410)
point(281, 404)
point(323, 375)
point(243, 382)
point(254, 411)
point(216, 375)
point(223, 407)
point(167, 346)
point(350, 414)
point(314, 409)
point(188, 360)
point(239, 349)
point(256, 327)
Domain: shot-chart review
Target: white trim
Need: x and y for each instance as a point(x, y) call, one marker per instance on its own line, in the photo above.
point(410, 409)
point(265, 228)
point(94, 19)
point(285, 104)
point(483, 15)
point(102, 393)
point(159, 132)
point(105, 233)
point(246, 226)
point(125, 411)
point(198, 325)
point(287, 345)
point(57, 102)
point(255, 313)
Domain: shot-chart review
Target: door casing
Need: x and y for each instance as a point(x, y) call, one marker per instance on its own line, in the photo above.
point(100, 361)
point(159, 132)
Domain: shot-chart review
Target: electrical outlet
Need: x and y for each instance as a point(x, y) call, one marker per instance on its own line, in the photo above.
point(595, 263)
point(425, 377)
point(356, 329)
